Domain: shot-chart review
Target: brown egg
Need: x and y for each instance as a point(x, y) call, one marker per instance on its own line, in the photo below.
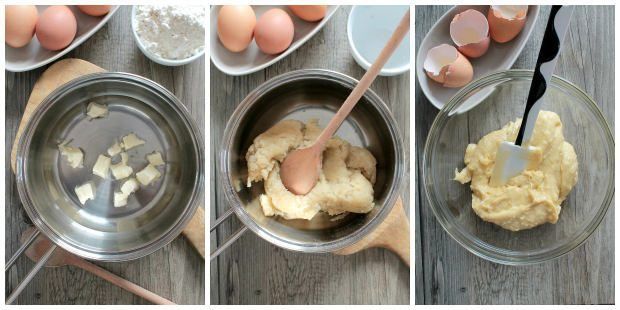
point(310, 13)
point(95, 10)
point(56, 27)
point(235, 26)
point(274, 31)
point(470, 32)
point(506, 21)
point(19, 22)
point(445, 65)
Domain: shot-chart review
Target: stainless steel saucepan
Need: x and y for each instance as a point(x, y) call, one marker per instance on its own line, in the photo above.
point(155, 214)
point(304, 95)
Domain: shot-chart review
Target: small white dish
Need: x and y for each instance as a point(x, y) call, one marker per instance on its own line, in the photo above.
point(368, 29)
point(33, 56)
point(499, 57)
point(158, 59)
point(252, 59)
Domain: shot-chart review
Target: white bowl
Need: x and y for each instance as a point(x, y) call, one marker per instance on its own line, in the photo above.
point(499, 57)
point(252, 59)
point(156, 58)
point(368, 29)
point(33, 56)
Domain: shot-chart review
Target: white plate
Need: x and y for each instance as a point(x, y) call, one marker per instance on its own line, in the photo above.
point(499, 56)
point(252, 59)
point(33, 56)
point(368, 29)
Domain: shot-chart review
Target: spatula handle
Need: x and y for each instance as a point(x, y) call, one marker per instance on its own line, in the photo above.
point(552, 42)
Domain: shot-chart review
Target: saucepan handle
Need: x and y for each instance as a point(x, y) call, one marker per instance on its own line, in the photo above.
point(22, 248)
point(33, 272)
point(230, 239)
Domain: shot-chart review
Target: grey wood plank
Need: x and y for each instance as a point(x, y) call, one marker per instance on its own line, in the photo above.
point(446, 273)
point(253, 271)
point(175, 272)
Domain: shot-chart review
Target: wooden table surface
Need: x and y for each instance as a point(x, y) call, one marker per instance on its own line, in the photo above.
point(446, 273)
point(252, 271)
point(175, 272)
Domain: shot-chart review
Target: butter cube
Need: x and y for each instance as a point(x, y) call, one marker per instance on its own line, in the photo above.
point(121, 171)
point(130, 186)
point(102, 165)
point(96, 110)
point(85, 192)
point(120, 199)
point(155, 159)
point(73, 155)
point(131, 140)
point(115, 149)
point(148, 175)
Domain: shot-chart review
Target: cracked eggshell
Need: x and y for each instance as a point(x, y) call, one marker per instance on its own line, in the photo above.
point(445, 65)
point(506, 21)
point(470, 32)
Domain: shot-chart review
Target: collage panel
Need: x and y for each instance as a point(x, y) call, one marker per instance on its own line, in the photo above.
point(104, 143)
point(512, 212)
point(346, 241)
point(311, 154)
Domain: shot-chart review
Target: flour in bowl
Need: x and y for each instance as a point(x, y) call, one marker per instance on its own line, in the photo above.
point(171, 32)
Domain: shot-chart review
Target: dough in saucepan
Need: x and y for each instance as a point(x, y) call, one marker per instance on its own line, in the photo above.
point(345, 182)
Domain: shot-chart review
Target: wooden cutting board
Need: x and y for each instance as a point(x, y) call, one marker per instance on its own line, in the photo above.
point(62, 72)
point(392, 234)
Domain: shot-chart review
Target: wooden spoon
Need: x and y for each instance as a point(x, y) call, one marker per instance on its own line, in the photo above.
point(300, 168)
point(62, 258)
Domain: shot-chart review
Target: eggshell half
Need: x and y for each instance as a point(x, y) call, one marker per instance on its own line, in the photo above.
point(470, 32)
point(459, 73)
point(506, 21)
point(475, 50)
point(444, 64)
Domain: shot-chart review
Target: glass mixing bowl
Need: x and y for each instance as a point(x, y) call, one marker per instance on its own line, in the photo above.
point(486, 105)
